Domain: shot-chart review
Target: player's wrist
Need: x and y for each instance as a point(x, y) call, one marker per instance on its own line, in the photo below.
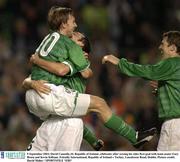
point(116, 61)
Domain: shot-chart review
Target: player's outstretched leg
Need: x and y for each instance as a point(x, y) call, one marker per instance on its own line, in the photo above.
point(117, 124)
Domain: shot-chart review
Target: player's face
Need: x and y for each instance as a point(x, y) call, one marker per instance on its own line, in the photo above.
point(165, 48)
point(70, 25)
point(78, 37)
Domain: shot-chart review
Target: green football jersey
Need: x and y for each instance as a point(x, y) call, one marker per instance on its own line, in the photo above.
point(167, 73)
point(76, 82)
point(59, 48)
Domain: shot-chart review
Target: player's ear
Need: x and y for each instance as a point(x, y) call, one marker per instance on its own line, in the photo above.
point(173, 48)
point(63, 26)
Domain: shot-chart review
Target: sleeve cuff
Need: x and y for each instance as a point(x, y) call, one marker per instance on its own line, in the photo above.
point(119, 65)
point(85, 67)
point(70, 67)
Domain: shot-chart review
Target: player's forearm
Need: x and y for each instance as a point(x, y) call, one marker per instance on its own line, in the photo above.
point(53, 67)
point(111, 59)
point(87, 73)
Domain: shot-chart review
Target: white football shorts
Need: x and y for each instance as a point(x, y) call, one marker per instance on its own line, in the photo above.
point(56, 134)
point(61, 101)
point(170, 136)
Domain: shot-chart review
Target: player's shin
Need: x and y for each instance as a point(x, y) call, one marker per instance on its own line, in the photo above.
point(118, 125)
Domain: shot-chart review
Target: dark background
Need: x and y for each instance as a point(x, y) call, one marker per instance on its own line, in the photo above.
point(126, 28)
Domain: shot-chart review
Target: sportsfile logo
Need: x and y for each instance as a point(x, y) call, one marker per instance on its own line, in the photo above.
point(15, 155)
point(2, 155)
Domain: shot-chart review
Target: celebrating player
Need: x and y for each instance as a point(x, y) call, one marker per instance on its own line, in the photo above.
point(66, 98)
point(167, 73)
point(40, 87)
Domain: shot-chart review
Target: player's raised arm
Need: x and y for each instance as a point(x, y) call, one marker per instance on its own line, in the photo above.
point(60, 69)
point(159, 71)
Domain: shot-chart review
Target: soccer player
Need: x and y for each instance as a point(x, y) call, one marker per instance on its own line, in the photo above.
point(65, 99)
point(40, 87)
point(167, 73)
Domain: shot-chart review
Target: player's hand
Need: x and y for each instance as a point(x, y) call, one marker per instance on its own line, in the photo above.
point(154, 86)
point(87, 73)
point(86, 55)
point(110, 58)
point(40, 87)
point(34, 58)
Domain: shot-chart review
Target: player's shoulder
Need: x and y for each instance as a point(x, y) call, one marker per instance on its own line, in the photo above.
point(173, 62)
point(61, 38)
point(56, 34)
point(69, 42)
point(173, 59)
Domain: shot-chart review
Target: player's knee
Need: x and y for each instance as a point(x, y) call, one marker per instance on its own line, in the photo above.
point(98, 103)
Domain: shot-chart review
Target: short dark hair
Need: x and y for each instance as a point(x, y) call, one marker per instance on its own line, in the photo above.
point(58, 15)
point(173, 38)
point(87, 47)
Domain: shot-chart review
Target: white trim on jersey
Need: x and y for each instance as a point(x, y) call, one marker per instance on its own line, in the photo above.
point(85, 68)
point(71, 69)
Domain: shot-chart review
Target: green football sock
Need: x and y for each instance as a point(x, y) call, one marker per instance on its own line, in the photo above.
point(119, 126)
point(89, 136)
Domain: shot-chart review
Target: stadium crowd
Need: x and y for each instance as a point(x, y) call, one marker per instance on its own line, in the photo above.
point(131, 29)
